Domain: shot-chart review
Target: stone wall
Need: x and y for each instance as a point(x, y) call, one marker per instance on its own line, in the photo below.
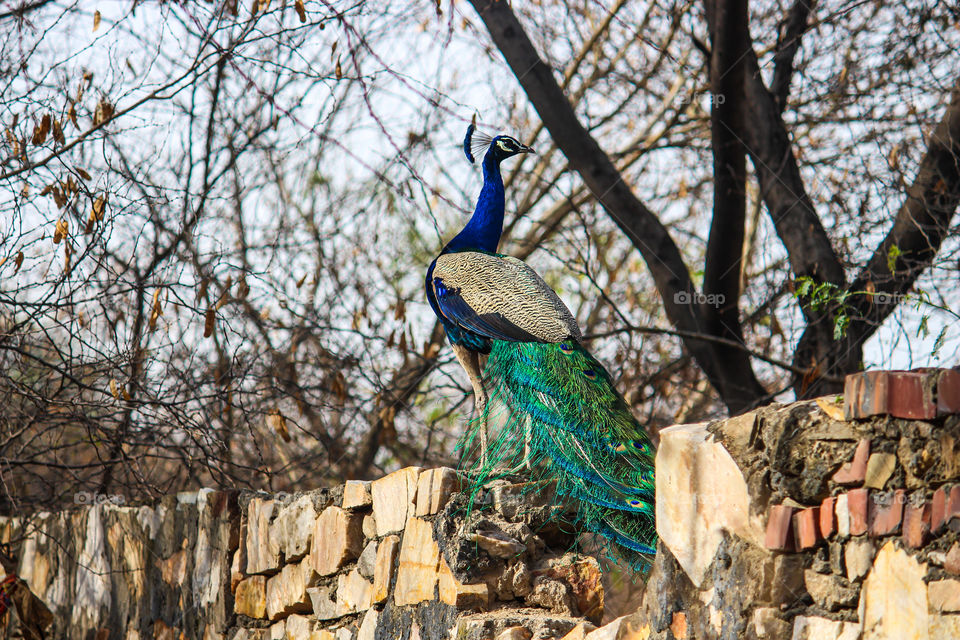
point(794, 522)
point(800, 522)
point(394, 558)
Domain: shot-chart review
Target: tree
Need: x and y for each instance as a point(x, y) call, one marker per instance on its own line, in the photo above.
point(713, 333)
point(215, 218)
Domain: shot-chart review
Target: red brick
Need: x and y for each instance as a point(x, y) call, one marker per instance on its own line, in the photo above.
point(938, 510)
point(953, 504)
point(828, 517)
point(911, 395)
point(948, 392)
point(918, 394)
point(864, 394)
point(779, 528)
point(916, 524)
point(805, 528)
point(857, 504)
point(952, 563)
point(855, 471)
point(885, 513)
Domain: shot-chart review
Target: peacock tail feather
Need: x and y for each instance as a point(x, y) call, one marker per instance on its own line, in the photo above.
point(565, 421)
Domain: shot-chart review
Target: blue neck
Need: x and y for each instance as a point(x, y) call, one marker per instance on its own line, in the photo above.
point(485, 226)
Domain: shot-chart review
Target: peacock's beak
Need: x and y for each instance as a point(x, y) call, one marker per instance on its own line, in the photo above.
point(528, 150)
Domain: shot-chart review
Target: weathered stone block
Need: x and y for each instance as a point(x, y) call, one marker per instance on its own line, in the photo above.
point(263, 551)
point(829, 591)
point(356, 494)
point(700, 487)
point(354, 593)
point(298, 628)
point(434, 488)
point(880, 467)
point(337, 539)
point(842, 510)
point(393, 499)
point(287, 592)
point(368, 628)
point(418, 564)
point(893, 601)
point(460, 595)
point(250, 598)
point(767, 624)
point(383, 569)
point(814, 628)
point(369, 527)
point(323, 603)
point(944, 596)
point(293, 528)
point(858, 558)
point(367, 562)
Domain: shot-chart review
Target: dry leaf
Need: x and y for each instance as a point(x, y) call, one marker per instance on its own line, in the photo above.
point(83, 174)
point(18, 261)
point(72, 114)
point(114, 389)
point(96, 20)
point(301, 281)
point(338, 71)
point(242, 288)
point(208, 322)
point(103, 112)
point(58, 133)
point(202, 291)
point(99, 206)
point(401, 311)
point(62, 227)
point(156, 311)
point(59, 197)
point(278, 424)
point(301, 11)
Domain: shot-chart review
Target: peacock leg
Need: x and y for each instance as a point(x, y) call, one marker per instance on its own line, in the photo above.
point(470, 361)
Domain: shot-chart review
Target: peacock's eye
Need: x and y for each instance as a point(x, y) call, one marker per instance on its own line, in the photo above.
point(503, 145)
point(590, 374)
point(565, 347)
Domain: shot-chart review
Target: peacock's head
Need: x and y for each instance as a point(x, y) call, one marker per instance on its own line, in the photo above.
point(477, 144)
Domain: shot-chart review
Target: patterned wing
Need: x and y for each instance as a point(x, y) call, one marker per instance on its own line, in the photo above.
point(500, 298)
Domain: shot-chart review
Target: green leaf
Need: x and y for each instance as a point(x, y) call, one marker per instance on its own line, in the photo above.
point(892, 254)
point(938, 343)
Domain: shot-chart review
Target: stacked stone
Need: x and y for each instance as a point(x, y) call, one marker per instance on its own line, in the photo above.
point(820, 519)
point(400, 555)
point(108, 571)
point(397, 556)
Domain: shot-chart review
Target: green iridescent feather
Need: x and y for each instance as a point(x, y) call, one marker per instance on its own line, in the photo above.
point(563, 420)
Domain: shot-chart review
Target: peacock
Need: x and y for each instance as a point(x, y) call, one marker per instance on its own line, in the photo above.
point(563, 419)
